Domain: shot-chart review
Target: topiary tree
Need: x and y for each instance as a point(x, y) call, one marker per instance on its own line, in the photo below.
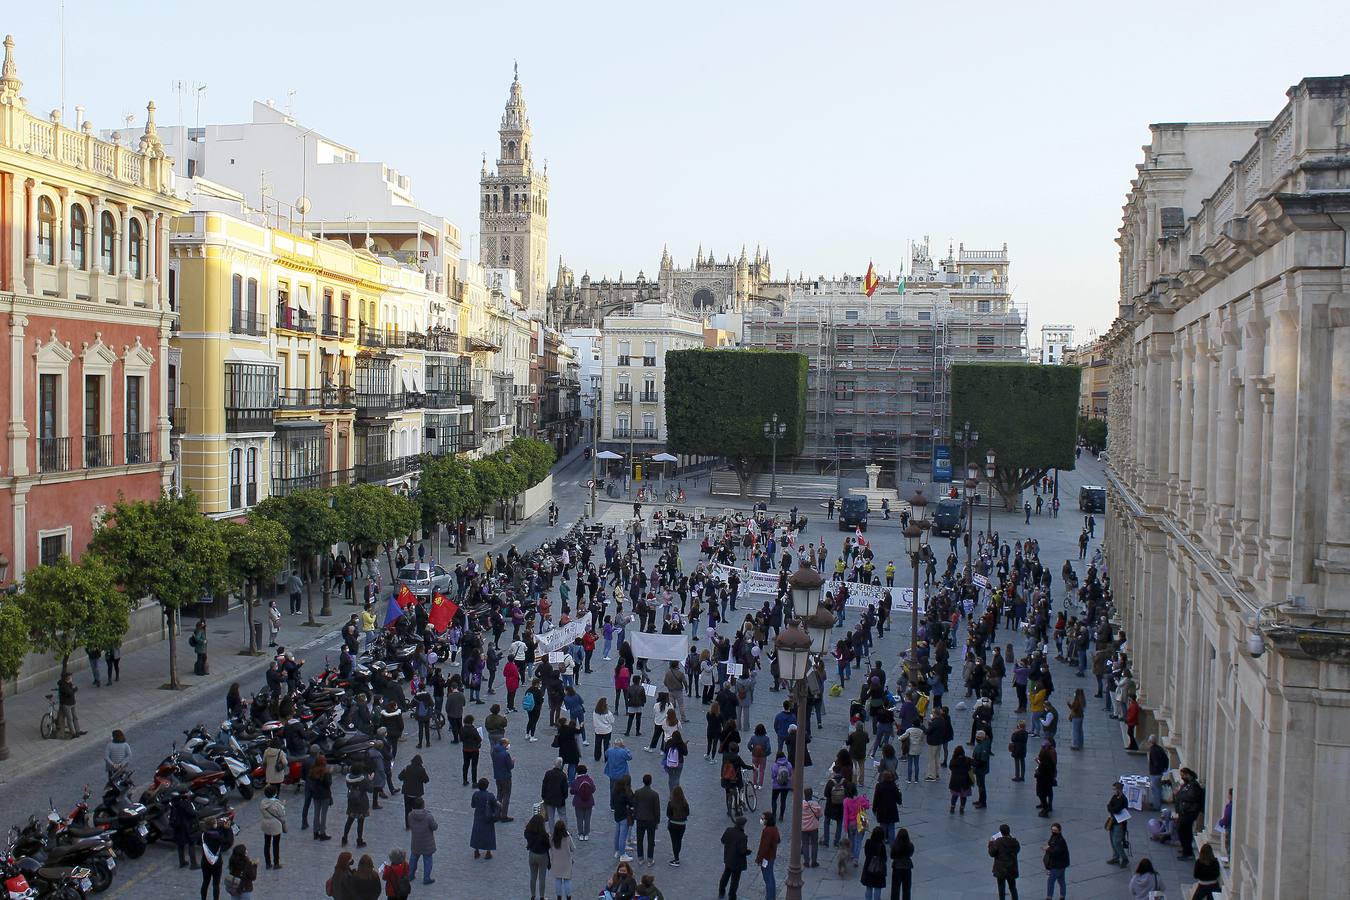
point(533, 457)
point(1026, 414)
point(256, 550)
point(73, 605)
point(447, 491)
point(167, 550)
point(13, 649)
point(717, 402)
point(312, 527)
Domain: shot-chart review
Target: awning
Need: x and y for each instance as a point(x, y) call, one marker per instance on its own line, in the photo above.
point(665, 457)
point(253, 357)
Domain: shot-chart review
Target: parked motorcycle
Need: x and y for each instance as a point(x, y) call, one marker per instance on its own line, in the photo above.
point(54, 847)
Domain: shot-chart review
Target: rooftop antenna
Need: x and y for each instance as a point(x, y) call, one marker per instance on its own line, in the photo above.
point(290, 101)
point(61, 19)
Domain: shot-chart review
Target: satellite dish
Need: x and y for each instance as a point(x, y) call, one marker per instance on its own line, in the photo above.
point(302, 206)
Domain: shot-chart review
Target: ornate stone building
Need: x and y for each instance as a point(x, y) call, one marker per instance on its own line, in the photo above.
point(704, 288)
point(513, 220)
point(1228, 533)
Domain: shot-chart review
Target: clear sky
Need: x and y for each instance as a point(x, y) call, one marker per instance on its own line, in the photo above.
point(829, 133)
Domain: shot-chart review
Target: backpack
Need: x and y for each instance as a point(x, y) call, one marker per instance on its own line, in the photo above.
point(728, 771)
point(403, 887)
point(528, 702)
point(781, 778)
point(672, 758)
point(837, 794)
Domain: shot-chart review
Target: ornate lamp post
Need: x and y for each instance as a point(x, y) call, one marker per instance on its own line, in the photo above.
point(972, 484)
point(914, 538)
point(774, 431)
point(989, 475)
point(795, 646)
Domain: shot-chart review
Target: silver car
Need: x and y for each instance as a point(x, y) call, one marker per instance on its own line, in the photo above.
point(423, 579)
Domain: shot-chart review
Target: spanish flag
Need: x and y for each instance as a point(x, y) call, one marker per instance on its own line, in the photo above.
point(871, 281)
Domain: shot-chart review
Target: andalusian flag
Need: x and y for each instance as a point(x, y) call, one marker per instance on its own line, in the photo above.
point(900, 288)
point(871, 281)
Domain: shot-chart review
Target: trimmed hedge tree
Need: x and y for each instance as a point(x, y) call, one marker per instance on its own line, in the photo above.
point(717, 402)
point(1026, 413)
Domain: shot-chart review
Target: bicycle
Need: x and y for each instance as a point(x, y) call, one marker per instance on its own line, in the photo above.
point(50, 723)
point(741, 798)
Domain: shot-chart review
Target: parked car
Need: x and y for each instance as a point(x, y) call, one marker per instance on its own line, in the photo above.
point(423, 579)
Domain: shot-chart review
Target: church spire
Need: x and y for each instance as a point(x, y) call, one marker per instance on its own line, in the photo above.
point(666, 263)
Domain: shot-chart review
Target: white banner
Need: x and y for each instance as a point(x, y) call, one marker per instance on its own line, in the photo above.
point(751, 582)
point(659, 646)
point(560, 638)
point(859, 595)
point(980, 581)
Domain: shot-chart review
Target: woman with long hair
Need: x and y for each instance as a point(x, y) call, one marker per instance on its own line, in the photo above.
point(560, 853)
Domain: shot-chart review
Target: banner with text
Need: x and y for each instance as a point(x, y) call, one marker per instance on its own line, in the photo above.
point(659, 646)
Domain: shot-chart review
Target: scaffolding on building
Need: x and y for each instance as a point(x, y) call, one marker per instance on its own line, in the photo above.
point(879, 368)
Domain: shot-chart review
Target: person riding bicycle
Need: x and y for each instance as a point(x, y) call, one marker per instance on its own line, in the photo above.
point(732, 778)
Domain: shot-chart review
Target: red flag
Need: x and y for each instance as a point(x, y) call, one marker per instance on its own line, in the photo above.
point(443, 611)
point(405, 596)
point(871, 281)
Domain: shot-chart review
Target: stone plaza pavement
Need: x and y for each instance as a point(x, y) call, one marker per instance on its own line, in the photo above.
point(950, 861)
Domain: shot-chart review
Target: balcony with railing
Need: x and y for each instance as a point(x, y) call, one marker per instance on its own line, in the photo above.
point(387, 469)
point(625, 360)
point(370, 337)
point(138, 447)
point(293, 318)
point(244, 322)
point(178, 420)
point(647, 397)
point(649, 361)
point(623, 396)
point(282, 487)
point(468, 440)
point(53, 454)
point(625, 433)
point(336, 327)
point(239, 419)
point(98, 451)
point(647, 434)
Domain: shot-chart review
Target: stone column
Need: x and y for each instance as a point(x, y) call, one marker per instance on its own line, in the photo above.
point(123, 247)
point(1174, 421)
point(1280, 476)
point(96, 229)
point(61, 233)
point(17, 431)
point(1202, 414)
point(17, 284)
point(163, 423)
point(1250, 474)
point(1186, 417)
point(1334, 555)
point(1226, 447)
point(32, 250)
point(1158, 412)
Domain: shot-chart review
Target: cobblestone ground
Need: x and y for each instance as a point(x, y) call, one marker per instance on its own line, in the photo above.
point(950, 861)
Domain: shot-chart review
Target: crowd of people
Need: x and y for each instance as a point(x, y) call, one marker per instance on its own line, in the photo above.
point(900, 726)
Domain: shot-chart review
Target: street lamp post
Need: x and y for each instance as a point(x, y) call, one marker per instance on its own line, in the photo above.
point(773, 433)
point(325, 573)
point(795, 646)
point(595, 413)
point(989, 475)
point(918, 524)
point(972, 485)
point(966, 437)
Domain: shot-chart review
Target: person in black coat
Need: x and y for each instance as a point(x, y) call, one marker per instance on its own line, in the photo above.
point(554, 791)
point(902, 865)
point(960, 781)
point(735, 849)
point(1017, 749)
point(1056, 861)
point(1004, 850)
point(886, 800)
point(1047, 771)
point(873, 875)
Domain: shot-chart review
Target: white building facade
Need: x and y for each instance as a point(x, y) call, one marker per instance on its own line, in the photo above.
point(633, 388)
point(1228, 532)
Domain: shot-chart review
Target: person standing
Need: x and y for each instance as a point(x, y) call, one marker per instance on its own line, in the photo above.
point(240, 874)
point(1116, 804)
point(275, 764)
point(602, 726)
point(414, 779)
point(112, 658)
point(1004, 850)
point(1017, 749)
point(553, 792)
point(295, 588)
point(273, 622)
point(1056, 862)
point(1046, 774)
point(780, 777)
point(537, 848)
point(454, 709)
point(583, 801)
point(483, 835)
point(874, 866)
point(1158, 763)
point(365, 883)
point(959, 782)
point(1206, 873)
point(214, 841)
point(735, 849)
point(273, 812)
point(677, 819)
point(767, 855)
point(812, 815)
point(65, 713)
point(117, 754)
point(902, 866)
point(470, 745)
point(319, 782)
point(502, 765)
point(1077, 704)
point(980, 766)
point(198, 643)
point(621, 805)
point(886, 801)
point(560, 853)
point(646, 815)
point(360, 783)
point(1190, 802)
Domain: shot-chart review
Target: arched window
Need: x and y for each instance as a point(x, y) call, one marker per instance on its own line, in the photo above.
point(134, 248)
point(106, 241)
point(78, 225)
point(236, 492)
point(46, 225)
point(506, 199)
point(494, 203)
point(236, 303)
